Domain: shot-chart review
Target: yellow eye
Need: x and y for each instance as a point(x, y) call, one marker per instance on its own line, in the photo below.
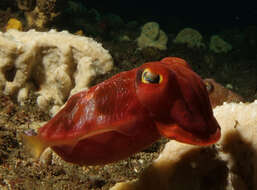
point(149, 77)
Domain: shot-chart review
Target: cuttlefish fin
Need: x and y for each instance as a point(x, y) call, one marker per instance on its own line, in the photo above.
point(34, 145)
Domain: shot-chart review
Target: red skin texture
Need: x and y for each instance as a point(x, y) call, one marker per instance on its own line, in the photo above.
point(123, 115)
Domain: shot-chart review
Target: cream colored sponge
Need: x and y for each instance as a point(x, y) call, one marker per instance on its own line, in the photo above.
point(152, 36)
point(54, 64)
point(229, 164)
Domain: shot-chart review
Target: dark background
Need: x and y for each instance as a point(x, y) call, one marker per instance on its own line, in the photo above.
point(211, 14)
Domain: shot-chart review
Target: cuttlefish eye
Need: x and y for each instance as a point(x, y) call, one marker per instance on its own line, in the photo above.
point(150, 77)
point(209, 86)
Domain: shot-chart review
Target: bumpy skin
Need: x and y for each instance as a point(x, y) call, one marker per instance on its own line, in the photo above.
point(125, 114)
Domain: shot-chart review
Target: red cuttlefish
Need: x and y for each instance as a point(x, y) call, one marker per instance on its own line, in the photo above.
point(128, 112)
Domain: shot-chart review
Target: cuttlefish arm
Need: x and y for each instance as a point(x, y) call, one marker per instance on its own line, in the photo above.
point(192, 119)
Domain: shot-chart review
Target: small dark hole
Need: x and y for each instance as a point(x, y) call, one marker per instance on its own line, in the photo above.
point(10, 74)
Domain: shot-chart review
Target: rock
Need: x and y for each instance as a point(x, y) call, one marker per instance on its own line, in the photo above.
point(229, 164)
point(54, 64)
point(40, 13)
point(26, 5)
point(191, 37)
point(38, 19)
point(152, 36)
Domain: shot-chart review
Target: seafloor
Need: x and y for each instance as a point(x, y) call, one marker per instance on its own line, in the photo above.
point(236, 69)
